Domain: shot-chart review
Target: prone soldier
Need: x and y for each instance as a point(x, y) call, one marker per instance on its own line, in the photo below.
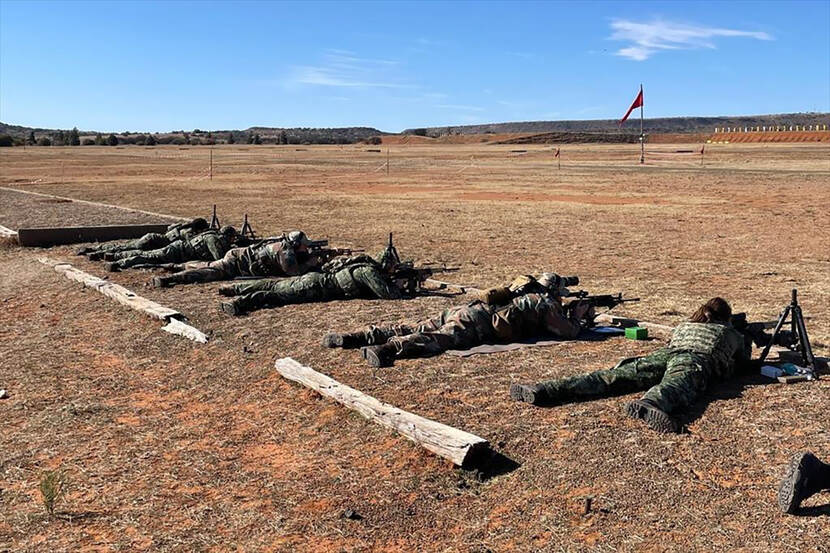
point(347, 277)
point(150, 241)
point(206, 246)
point(702, 351)
point(287, 256)
point(527, 308)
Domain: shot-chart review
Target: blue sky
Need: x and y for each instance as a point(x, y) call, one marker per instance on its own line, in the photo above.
point(215, 65)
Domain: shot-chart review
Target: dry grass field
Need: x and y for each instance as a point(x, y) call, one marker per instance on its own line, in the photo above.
point(177, 446)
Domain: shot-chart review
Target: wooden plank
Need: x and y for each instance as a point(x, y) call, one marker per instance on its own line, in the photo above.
point(8, 237)
point(45, 237)
point(462, 448)
point(98, 204)
point(176, 326)
point(115, 291)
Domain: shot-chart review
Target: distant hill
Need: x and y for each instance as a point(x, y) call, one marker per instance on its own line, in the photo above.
point(632, 126)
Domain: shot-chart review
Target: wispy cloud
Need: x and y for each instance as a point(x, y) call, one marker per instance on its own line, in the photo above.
point(460, 107)
point(342, 68)
point(651, 37)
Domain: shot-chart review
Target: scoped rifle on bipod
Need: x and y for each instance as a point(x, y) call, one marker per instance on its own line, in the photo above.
point(608, 301)
point(410, 279)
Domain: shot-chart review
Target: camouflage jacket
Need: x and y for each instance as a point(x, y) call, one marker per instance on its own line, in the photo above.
point(531, 315)
point(361, 276)
point(720, 343)
point(210, 244)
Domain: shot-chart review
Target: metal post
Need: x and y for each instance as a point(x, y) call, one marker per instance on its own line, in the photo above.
point(211, 163)
point(387, 161)
point(642, 136)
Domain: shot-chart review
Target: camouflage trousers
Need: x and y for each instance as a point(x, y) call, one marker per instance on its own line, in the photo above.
point(274, 292)
point(673, 380)
point(177, 252)
point(236, 263)
point(455, 328)
point(151, 241)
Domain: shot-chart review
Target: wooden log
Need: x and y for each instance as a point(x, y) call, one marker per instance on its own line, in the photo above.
point(45, 237)
point(114, 291)
point(8, 237)
point(175, 326)
point(462, 448)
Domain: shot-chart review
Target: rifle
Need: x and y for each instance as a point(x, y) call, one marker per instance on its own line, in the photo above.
point(410, 278)
point(327, 254)
point(609, 301)
point(785, 338)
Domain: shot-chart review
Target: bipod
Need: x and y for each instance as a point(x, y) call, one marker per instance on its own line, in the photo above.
point(801, 342)
point(247, 230)
point(214, 221)
point(393, 250)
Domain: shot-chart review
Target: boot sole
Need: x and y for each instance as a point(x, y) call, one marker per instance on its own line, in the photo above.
point(373, 359)
point(522, 392)
point(332, 340)
point(791, 491)
point(654, 418)
point(229, 308)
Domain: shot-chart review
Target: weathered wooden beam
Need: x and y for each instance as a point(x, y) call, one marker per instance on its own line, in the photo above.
point(462, 448)
point(174, 319)
point(175, 326)
point(8, 237)
point(44, 237)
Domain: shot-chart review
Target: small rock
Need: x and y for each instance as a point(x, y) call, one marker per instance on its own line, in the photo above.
point(4, 394)
point(351, 515)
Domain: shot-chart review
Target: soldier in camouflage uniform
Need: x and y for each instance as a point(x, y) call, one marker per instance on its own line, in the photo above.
point(150, 241)
point(702, 351)
point(207, 246)
point(534, 310)
point(288, 256)
point(358, 276)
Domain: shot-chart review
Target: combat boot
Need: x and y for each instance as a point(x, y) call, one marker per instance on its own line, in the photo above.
point(113, 267)
point(352, 340)
point(162, 282)
point(95, 256)
point(529, 393)
point(806, 475)
point(227, 290)
point(379, 356)
point(650, 413)
point(233, 308)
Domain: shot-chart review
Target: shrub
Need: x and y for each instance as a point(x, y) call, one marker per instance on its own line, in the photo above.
point(112, 140)
point(374, 140)
point(88, 142)
point(52, 489)
point(44, 141)
point(6, 141)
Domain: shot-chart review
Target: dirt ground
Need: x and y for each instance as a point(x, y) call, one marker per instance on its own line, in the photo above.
point(177, 446)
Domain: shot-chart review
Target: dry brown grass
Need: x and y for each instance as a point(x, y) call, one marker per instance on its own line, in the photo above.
point(173, 446)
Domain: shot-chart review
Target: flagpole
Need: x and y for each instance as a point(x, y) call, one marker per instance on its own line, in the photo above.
point(642, 136)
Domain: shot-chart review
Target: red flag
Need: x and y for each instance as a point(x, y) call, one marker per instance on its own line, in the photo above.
point(638, 102)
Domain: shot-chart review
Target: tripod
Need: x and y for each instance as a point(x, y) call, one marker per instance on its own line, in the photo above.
point(801, 342)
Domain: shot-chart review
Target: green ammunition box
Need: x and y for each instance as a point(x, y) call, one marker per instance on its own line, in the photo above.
point(636, 333)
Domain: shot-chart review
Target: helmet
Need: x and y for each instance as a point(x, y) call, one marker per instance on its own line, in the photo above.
point(199, 224)
point(556, 283)
point(228, 230)
point(297, 238)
